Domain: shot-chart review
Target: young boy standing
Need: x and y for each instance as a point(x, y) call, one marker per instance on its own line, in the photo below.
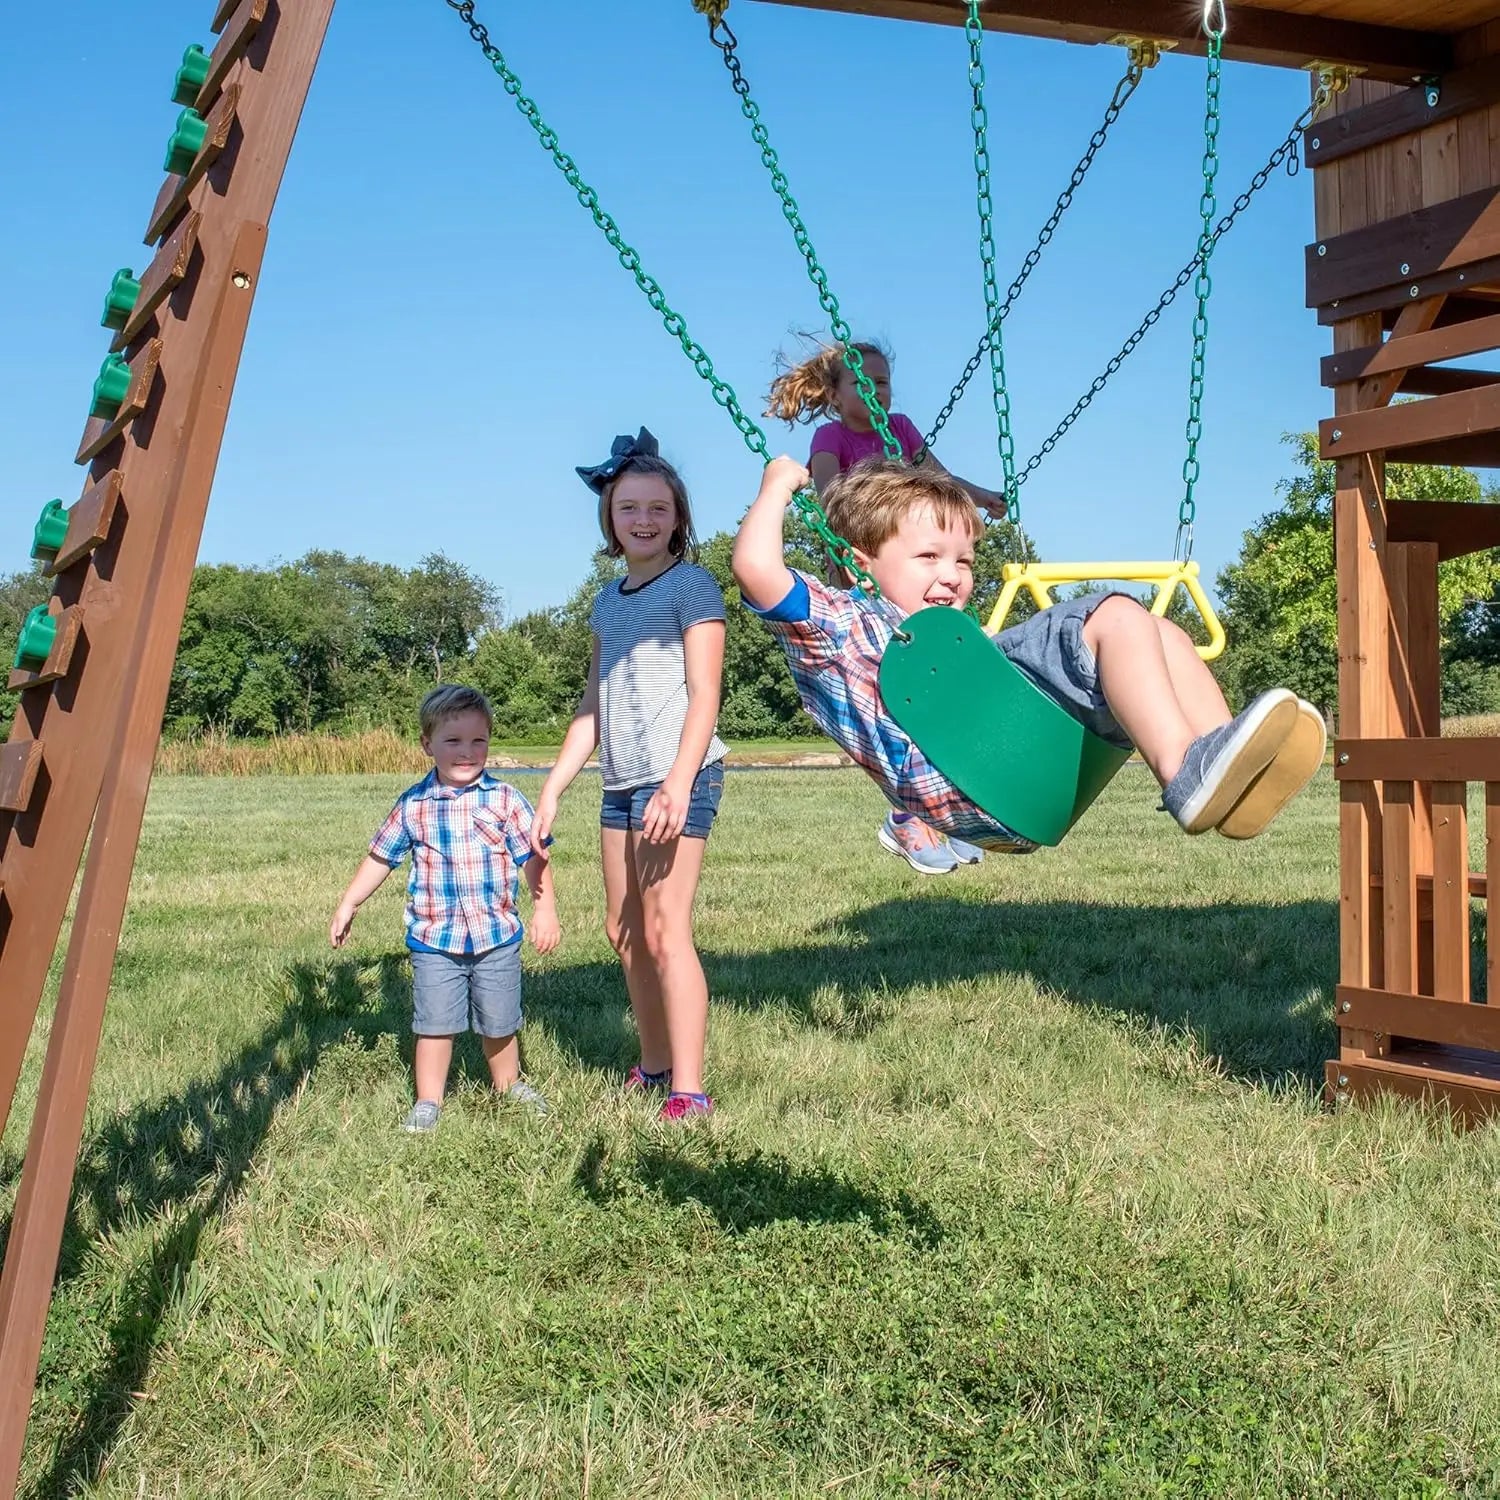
point(468, 834)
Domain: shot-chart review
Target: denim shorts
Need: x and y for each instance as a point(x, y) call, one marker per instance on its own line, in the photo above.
point(1049, 648)
point(479, 992)
point(625, 808)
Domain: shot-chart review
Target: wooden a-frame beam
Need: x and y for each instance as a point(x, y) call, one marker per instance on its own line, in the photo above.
point(1392, 53)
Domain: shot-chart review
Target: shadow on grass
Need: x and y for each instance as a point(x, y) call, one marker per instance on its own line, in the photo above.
point(745, 1193)
point(177, 1165)
point(1252, 983)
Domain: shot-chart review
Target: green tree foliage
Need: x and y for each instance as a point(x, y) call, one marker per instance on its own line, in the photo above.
point(1280, 597)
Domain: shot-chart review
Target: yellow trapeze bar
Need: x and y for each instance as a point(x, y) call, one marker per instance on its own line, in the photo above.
point(1039, 579)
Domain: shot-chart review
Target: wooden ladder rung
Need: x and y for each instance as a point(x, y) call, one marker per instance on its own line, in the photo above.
point(1478, 883)
point(59, 658)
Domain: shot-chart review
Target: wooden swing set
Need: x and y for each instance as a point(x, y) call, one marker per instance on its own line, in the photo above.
point(1404, 267)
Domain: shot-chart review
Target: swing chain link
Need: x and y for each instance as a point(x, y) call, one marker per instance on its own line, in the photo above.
point(720, 34)
point(1123, 90)
point(1285, 153)
point(1182, 547)
point(979, 118)
point(805, 501)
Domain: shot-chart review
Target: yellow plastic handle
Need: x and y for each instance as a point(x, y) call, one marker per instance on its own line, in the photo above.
point(1039, 579)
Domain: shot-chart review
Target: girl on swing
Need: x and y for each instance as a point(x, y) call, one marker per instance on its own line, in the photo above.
point(824, 386)
point(1125, 674)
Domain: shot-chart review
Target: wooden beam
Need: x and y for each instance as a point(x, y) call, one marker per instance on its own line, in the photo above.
point(1453, 341)
point(1411, 110)
point(1403, 250)
point(1457, 526)
point(1452, 1023)
point(1473, 280)
point(1294, 41)
point(1466, 1085)
point(1438, 417)
point(1475, 759)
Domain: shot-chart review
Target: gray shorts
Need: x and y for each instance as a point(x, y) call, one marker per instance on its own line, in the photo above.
point(1049, 648)
point(479, 992)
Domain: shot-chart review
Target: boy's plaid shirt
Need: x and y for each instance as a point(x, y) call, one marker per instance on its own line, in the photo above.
point(833, 640)
point(466, 845)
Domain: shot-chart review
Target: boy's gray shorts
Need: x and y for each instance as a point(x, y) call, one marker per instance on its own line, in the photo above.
point(479, 992)
point(1049, 648)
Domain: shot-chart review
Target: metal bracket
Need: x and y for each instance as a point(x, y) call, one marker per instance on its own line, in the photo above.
point(1145, 51)
point(1334, 76)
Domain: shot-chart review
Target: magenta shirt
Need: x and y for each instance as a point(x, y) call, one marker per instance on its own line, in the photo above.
point(849, 446)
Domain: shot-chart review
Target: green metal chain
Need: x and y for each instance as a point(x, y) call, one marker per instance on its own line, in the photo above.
point(1142, 57)
point(1202, 286)
point(805, 501)
point(980, 119)
point(725, 40)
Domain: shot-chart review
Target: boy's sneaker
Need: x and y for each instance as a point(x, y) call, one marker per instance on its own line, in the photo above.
point(521, 1092)
point(965, 854)
point(685, 1106)
point(1219, 766)
point(918, 845)
point(638, 1080)
point(1291, 768)
point(423, 1117)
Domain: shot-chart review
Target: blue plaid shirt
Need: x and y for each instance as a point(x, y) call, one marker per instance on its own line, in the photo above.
point(833, 640)
point(466, 845)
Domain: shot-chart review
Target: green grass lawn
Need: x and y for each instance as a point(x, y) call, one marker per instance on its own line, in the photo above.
point(1019, 1185)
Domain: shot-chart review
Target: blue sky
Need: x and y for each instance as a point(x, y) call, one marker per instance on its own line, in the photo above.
point(441, 334)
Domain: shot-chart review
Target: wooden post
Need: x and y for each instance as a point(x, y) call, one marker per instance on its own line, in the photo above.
point(235, 198)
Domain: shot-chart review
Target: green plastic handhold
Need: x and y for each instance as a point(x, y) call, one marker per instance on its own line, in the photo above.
point(187, 140)
point(120, 303)
point(37, 635)
point(51, 528)
point(1000, 740)
point(190, 76)
point(111, 388)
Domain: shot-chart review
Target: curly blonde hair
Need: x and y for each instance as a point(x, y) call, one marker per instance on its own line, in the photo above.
point(809, 390)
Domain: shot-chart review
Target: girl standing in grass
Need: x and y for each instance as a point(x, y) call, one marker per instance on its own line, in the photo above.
point(650, 706)
point(824, 386)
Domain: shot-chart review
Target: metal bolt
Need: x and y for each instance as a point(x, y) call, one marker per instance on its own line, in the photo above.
point(1460, 275)
point(1343, 1080)
point(1338, 432)
point(1416, 291)
point(1322, 249)
point(1316, 143)
point(1346, 1007)
point(1344, 758)
point(241, 279)
point(1432, 98)
point(1334, 303)
point(1405, 268)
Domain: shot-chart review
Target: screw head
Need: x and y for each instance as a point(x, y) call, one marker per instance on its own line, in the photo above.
point(1344, 758)
point(1343, 1080)
point(1406, 268)
point(1316, 143)
point(241, 279)
point(1322, 249)
point(1337, 433)
point(1416, 291)
point(1346, 1007)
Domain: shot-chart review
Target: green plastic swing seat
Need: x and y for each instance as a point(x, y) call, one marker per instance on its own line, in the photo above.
point(1000, 740)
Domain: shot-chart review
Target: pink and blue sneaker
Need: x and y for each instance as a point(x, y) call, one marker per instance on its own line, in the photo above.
point(638, 1080)
point(685, 1106)
point(928, 853)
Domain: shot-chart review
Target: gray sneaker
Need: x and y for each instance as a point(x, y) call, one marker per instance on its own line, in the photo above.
point(1219, 766)
point(522, 1092)
point(423, 1117)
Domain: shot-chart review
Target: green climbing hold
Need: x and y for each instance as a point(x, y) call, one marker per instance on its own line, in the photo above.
point(120, 303)
point(37, 635)
point(111, 388)
point(51, 528)
point(190, 76)
point(187, 140)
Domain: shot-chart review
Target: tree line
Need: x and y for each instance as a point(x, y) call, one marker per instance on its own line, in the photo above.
point(333, 644)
